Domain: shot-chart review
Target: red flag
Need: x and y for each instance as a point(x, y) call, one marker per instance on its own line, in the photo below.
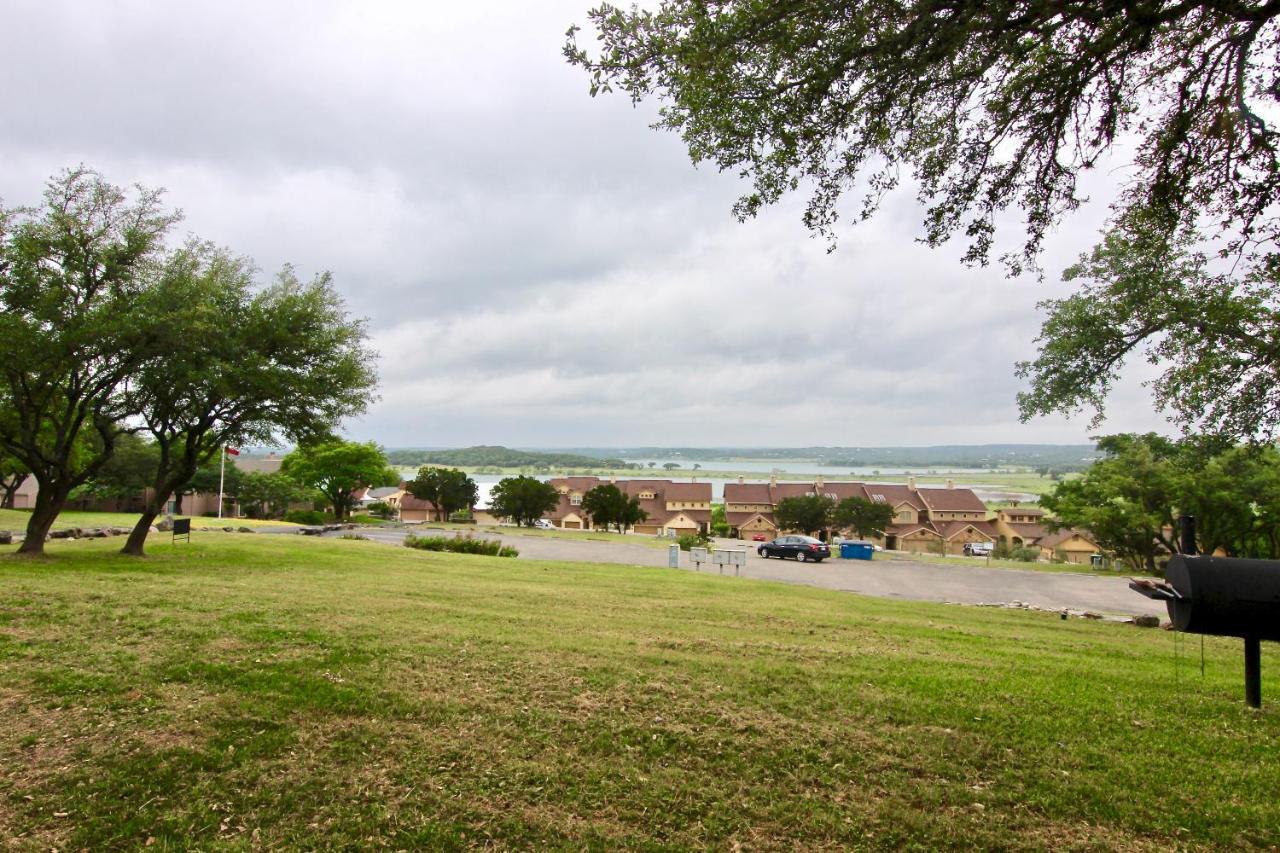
point(231, 451)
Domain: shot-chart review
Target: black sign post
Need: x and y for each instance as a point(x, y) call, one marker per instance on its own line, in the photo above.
point(182, 527)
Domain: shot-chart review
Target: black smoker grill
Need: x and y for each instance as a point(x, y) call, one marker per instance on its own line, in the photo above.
point(1226, 597)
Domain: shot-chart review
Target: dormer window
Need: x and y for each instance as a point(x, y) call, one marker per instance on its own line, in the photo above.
point(647, 496)
point(576, 500)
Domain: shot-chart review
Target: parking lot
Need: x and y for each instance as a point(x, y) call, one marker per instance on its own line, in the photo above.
point(961, 583)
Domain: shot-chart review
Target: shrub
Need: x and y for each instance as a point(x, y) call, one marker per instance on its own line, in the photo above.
point(381, 509)
point(461, 545)
point(692, 540)
point(462, 516)
point(1026, 555)
point(305, 516)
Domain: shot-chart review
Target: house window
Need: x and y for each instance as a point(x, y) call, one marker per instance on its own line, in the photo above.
point(647, 496)
point(576, 500)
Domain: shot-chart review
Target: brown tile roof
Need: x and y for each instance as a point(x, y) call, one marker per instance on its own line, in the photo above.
point(905, 529)
point(408, 501)
point(841, 491)
point(791, 490)
point(683, 491)
point(948, 529)
point(576, 484)
point(747, 493)
point(951, 500)
point(1028, 532)
point(893, 494)
point(1053, 540)
point(1021, 510)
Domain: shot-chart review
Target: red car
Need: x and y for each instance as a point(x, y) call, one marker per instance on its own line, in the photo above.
point(759, 537)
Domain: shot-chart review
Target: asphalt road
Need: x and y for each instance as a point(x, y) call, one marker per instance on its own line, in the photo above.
point(960, 583)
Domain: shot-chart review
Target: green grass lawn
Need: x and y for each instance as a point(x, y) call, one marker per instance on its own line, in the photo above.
point(246, 691)
point(996, 563)
point(16, 519)
point(647, 540)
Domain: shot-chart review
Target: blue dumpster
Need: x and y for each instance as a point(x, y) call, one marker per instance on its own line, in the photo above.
point(856, 550)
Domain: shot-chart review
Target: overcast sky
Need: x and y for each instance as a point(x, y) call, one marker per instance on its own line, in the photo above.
point(538, 267)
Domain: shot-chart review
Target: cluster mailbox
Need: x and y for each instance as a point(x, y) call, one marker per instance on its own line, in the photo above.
point(1226, 597)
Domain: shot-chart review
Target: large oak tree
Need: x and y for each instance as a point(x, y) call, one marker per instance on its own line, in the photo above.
point(987, 108)
point(241, 365)
point(73, 329)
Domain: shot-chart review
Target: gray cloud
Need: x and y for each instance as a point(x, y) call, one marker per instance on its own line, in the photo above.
point(538, 267)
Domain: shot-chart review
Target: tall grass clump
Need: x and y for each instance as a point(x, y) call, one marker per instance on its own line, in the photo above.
point(461, 545)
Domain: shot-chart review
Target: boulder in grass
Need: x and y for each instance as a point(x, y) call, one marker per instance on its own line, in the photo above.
point(6, 538)
point(164, 526)
point(63, 533)
point(1147, 621)
point(244, 530)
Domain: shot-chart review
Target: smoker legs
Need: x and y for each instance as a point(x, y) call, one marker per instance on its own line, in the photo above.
point(1252, 672)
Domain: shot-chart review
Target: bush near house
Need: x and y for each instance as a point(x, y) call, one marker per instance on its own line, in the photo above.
point(306, 516)
point(692, 540)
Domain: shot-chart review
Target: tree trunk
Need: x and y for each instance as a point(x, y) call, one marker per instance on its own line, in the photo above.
point(177, 504)
point(9, 488)
point(138, 536)
point(48, 504)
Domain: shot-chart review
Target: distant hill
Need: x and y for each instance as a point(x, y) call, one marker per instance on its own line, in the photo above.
point(501, 457)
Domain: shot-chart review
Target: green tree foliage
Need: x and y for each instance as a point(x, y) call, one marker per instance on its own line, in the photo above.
point(126, 473)
point(269, 494)
point(1234, 494)
point(524, 500)
point(1142, 295)
point(242, 365)
point(212, 475)
point(984, 106)
point(447, 488)
point(719, 521)
point(609, 506)
point(1127, 500)
point(337, 469)
point(670, 466)
point(806, 513)
point(73, 328)
point(865, 518)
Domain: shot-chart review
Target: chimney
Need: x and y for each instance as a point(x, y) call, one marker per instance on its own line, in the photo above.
point(911, 482)
point(773, 480)
point(951, 484)
point(818, 483)
point(741, 480)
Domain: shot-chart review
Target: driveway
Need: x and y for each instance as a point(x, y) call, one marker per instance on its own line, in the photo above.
point(958, 584)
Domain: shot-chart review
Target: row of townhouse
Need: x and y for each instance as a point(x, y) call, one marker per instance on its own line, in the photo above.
point(926, 520)
point(671, 508)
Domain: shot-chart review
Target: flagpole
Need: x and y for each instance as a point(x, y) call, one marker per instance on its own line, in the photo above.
point(222, 478)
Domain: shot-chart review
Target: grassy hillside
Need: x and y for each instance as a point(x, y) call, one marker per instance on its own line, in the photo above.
point(283, 692)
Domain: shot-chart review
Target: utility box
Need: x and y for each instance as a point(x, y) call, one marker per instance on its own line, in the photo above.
point(673, 556)
point(856, 550)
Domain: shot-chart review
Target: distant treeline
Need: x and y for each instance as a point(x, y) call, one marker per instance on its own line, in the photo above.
point(1059, 457)
point(502, 457)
